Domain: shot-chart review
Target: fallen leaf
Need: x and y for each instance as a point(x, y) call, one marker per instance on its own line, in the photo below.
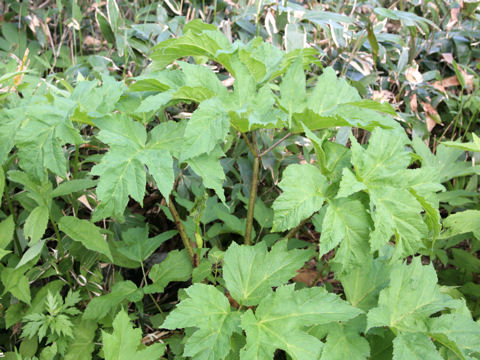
point(413, 75)
point(448, 58)
point(306, 276)
point(454, 12)
point(91, 41)
point(432, 116)
point(414, 103)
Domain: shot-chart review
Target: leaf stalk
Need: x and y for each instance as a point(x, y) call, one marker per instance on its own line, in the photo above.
point(253, 190)
point(182, 231)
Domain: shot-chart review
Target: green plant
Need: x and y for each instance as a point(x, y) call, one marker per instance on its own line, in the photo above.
point(237, 143)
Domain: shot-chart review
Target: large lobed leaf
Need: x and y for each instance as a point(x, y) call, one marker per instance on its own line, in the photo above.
point(122, 169)
point(250, 272)
point(124, 343)
point(208, 310)
point(297, 203)
point(280, 318)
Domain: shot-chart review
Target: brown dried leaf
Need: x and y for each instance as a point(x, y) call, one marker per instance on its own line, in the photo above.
point(448, 58)
point(414, 103)
point(91, 41)
point(306, 276)
point(413, 75)
point(432, 116)
point(454, 12)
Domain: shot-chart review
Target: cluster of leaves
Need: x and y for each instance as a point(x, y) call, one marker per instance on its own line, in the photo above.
point(101, 183)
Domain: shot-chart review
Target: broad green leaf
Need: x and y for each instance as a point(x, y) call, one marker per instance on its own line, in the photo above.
point(292, 88)
point(382, 169)
point(154, 102)
point(86, 233)
point(345, 342)
point(463, 222)
point(100, 306)
point(250, 272)
point(197, 41)
point(470, 146)
point(263, 340)
point(167, 136)
point(82, 346)
point(397, 213)
point(36, 224)
point(362, 284)
point(208, 167)
point(2, 182)
point(261, 58)
point(346, 222)
point(121, 174)
point(16, 283)
point(176, 267)
point(385, 108)
point(138, 246)
point(448, 162)
point(457, 332)
point(297, 203)
point(93, 100)
point(384, 159)
point(202, 77)
point(41, 137)
point(122, 170)
point(160, 165)
point(208, 126)
point(280, 317)
point(208, 310)
point(410, 298)
point(11, 121)
point(349, 184)
point(331, 91)
point(7, 227)
point(344, 115)
point(3, 253)
point(72, 186)
point(125, 342)
point(414, 346)
point(332, 158)
point(334, 102)
point(159, 81)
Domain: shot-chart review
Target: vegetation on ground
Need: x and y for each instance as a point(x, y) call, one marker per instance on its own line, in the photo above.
point(239, 180)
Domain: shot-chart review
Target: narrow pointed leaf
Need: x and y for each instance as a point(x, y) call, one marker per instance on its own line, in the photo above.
point(86, 233)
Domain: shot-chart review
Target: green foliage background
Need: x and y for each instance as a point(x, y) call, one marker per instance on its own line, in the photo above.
point(239, 180)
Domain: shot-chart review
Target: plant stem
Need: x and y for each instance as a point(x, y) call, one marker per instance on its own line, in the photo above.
point(57, 233)
point(253, 193)
point(249, 144)
point(75, 164)
point(293, 231)
point(151, 296)
point(274, 145)
point(181, 230)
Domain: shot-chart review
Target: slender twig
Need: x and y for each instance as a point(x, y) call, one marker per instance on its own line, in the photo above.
point(76, 163)
point(181, 230)
point(57, 233)
point(253, 192)
point(294, 231)
point(151, 296)
point(249, 144)
point(274, 145)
